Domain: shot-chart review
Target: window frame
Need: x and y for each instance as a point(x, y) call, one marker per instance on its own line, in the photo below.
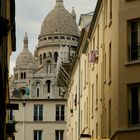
point(37, 134)
point(59, 113)
point(60, 135)
point(133, 47)
point(38, 112)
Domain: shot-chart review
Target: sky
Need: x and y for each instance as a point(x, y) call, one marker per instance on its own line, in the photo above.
point(30, 15)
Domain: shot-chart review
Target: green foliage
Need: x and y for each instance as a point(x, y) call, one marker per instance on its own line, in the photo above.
point(11, 128)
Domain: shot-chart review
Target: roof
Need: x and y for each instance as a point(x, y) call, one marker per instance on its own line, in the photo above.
point(25, 58)
point(59, 21)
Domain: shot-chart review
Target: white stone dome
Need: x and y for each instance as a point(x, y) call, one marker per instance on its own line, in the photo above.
point(25, 57)
point(59, 21)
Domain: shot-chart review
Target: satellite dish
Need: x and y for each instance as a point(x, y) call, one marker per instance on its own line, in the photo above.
point(16, 93)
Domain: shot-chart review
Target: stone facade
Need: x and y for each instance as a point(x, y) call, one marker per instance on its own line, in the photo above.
point(42, 104)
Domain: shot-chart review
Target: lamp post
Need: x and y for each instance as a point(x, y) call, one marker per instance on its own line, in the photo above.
point(24, 103)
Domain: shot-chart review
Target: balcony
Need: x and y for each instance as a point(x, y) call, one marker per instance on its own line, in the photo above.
point(134, 52)
point(134, 117)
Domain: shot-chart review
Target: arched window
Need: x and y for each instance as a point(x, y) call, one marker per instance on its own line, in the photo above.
point(44, 55)
point(50, 54)
point(37, 92)
point(48, 82)
point(55, 56)
point(40, 59)
point(24, 76)
point(37, 89)
point(21, 75)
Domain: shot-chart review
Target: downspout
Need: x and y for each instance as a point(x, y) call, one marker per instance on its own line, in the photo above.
point(79, 80)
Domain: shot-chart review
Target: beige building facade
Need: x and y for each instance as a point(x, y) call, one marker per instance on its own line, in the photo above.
point(104, 92)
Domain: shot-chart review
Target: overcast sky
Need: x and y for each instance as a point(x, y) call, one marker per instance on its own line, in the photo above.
point(30, 15)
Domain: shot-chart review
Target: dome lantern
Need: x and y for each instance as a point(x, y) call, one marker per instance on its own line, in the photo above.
point(59, 3)
point(25, 41)
point(73, 13)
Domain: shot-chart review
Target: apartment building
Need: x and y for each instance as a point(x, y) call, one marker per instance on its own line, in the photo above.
point(104, 94)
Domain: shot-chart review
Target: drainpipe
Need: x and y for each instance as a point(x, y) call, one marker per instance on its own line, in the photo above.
point(79, 85)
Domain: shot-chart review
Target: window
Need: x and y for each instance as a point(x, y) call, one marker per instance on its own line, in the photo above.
point(11, 115)
point(96, 130)
point(92, 94)
point(40, 59)
point(44, 55)
point(75, 98)
point(62, 37)
point(110, 61)
point(55, 37)
point(48, 82)
point(85, 73)
point(110, 12)
point(134, 104)
point(73, 38)
point(21, 75)
point(81, 82)
point(50, 37)
point(45, 38)
point(104, 61)
point(109, 119)
point(37, 94)
point(37, 134)
point(37, 89)
point(59, 134)
point(98, 36)
point(105, 12)
point(60, 112)
point(81, 122)
point(134, 40)
point(68, 38)
point(96, 91)
point(38, 112)
point(55, 56)
point(24, 75)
